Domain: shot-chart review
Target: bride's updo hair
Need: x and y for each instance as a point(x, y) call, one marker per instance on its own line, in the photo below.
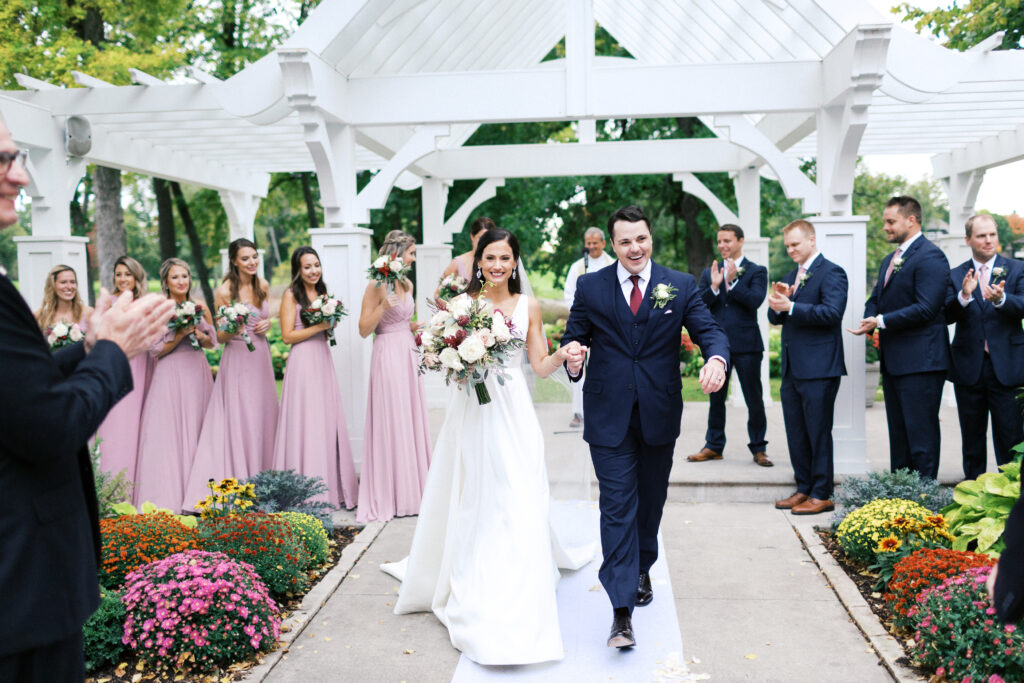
point(396, 243)
point(490, 237)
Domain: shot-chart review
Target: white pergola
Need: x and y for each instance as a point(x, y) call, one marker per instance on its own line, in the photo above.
point(397, 87)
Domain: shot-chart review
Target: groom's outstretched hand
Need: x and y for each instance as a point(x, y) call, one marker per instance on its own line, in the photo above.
point(712, 376)
point(575, 353)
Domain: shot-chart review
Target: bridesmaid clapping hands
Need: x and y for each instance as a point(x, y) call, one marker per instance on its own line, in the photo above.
point(312, 437)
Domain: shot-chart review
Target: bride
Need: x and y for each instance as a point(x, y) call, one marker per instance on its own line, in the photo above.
point(484, 558)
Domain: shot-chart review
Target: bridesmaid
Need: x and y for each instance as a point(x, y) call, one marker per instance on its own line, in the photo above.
point(312, 437)
point(397, 434)
point(238, 431)
point(61, 301)
point(120, 430)
point(176, 402)
point(463, 263)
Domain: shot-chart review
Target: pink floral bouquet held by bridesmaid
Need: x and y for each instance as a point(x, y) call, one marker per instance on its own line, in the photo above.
point(64, 334)
point(234, 317)
point(389, 271)
point(324, 309)
point(187, 314)
point(466, 342)
point(451, 286)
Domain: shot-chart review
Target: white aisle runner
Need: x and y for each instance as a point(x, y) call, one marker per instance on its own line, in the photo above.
point(585, 615)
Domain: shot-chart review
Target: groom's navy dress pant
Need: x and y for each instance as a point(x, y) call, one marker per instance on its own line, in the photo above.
point(634, 483)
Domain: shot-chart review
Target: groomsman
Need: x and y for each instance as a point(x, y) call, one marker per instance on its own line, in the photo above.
point(907, 307)
point(594, 259)
point(987, 355)
point(733, 291)
point(809, 303)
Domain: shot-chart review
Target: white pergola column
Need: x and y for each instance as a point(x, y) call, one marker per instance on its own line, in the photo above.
point(37, 254)
point(842, 240)
point(432, 257)
point(241, 209)
point(962, 192)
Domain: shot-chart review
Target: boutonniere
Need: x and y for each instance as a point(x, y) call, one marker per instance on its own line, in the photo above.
point(805, 277)
point(997, 273)
point(897, 263)
point(740, 271)
point(662, 294)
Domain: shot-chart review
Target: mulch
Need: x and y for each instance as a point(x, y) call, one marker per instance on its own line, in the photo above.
point(133, 671)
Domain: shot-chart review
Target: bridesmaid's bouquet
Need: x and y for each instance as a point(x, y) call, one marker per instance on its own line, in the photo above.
point(187, 314)
point(450, 287)
point(233, 318)
point(466, 341)
point(324, 309)
point(64, 334)
point(389, 271)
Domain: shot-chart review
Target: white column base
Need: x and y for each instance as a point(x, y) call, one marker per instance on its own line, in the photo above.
point(37, 254)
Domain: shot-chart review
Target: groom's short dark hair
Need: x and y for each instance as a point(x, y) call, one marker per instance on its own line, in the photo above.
point(630, 214)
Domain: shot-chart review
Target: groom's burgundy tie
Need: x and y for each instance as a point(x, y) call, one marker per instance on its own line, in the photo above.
point(635, 298)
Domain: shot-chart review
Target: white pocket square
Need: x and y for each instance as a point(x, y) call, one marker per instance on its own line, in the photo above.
point(668, 311)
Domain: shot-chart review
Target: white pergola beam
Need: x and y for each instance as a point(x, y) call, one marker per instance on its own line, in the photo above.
point(692, 185)
point(996, 150)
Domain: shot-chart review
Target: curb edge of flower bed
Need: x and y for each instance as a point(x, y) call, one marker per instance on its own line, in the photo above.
point(884, 643)
point(315, 599)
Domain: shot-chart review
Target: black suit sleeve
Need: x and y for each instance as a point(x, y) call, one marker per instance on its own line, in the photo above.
point(1009, 588)
point(954, 311)
point(578, 327)
point(43, 413)
point(69, 357)
point(704, 288)
point(930, 277)
point(829, 311)
point(751, 293)
point(1013, 306)
point(871, 306)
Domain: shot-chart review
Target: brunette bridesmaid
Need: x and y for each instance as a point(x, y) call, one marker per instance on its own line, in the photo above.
point(397, 434)
point(238, 431)
point(312, 437)
point(119, 432)
point(61, 300)
point(176, 403)
point(463, 263)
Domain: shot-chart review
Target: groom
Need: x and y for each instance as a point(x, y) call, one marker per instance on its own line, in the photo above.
point(629, 316)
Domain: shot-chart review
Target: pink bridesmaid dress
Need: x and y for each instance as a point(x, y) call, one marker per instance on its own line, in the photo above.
point(238, 431)
point(396, 452)
point(312, 437)
point(172, 420)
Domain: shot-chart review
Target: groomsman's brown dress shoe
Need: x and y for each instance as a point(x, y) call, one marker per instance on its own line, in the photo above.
point(621, 635)
point(761, 458)
point(644, 591)
point(704, 454)
point(788, 503)
point(813, 506)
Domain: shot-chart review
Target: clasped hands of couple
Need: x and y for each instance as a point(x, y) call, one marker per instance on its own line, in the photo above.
point(712, 375)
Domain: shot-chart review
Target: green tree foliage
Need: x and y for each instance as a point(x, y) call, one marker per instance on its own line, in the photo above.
point(962, 27)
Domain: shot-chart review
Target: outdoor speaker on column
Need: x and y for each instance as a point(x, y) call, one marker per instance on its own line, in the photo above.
point(77, 136)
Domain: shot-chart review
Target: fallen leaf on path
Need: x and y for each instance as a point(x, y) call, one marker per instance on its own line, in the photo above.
point(409, 652)
point(750, 656)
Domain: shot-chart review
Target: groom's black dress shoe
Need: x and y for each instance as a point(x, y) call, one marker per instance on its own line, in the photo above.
point(644, 592)
point(622, 630)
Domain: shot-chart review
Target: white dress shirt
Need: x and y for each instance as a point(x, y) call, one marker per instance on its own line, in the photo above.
point(627, 284)
point(738, 262)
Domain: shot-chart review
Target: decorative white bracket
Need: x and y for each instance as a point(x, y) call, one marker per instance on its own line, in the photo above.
point(962, 191)
point(241, 210)
point(375, 194)
point(486, 190)
point(692, 185)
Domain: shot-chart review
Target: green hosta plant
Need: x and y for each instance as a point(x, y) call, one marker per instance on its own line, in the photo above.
point(980, 507)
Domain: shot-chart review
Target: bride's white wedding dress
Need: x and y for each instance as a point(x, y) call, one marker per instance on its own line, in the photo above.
point(484, 556)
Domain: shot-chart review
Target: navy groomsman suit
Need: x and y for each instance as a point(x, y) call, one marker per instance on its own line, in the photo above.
point(735, 309)
point(987, 359)
point(812, 364)
point(914, 348)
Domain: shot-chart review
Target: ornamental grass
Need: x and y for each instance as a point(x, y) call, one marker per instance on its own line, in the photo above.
point(196, 611)
point(924, 569)
point(267, 543)
point(958, 635)
point(862, 531)
point(309, 529)
point(130, 541)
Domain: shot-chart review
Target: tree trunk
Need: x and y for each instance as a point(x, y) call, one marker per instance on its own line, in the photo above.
point(79, 226)
point(165, 219)
point(307, 193)
point(111, 242)
point(202, 273)
point(699, 253)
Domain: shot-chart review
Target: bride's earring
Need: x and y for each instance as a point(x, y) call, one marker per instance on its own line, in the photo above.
point(514, 275)
point(479, 274)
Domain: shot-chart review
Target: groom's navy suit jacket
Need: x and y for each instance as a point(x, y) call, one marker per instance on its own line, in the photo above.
point(635, 359)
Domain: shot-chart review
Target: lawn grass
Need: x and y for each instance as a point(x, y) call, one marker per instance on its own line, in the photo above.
point(544, 286)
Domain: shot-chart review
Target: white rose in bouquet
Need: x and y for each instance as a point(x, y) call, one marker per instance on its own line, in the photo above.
point(396, 266)
point(329, 308)
point(380, 262)
point(440, 320)
point(241, 309)
point(52, 339)
point(472, 349)
point(499, 329)
point(188, 308)
point(486, 307)
point(317, 304)
point(486, 337)
point(451, 330)
point(75, 334)
point(427, 340)
point(432, 360)
point(60, 329)
point(449, 358)
point(460, 305)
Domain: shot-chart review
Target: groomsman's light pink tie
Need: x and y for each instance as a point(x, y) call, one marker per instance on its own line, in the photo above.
point(635, 298)
point(796, 285)
point(983, 283)
point(892, 265)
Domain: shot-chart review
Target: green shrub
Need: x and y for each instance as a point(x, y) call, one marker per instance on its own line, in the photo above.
point(289, 491)
point(311, 531)
point(861, 532)
point(980, 508)
point(101, 634)
point(775, 352)
point(111, 489)
point(904, 484)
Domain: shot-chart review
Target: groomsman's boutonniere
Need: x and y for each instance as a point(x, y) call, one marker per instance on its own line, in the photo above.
point(897, 263)
point(998, 273)
point(663, 293)
point(805, 277)
point(740, 271)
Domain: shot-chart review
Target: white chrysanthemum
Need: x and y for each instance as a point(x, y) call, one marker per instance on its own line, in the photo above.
point(450, 359)
point(472, 349)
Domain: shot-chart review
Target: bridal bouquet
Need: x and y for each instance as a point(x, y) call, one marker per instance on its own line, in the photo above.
point(234, 317)
point(324, 309)
point(466, 341)
point(187, 314)
point(450, 287)
point(64, 334)
point(389, 271)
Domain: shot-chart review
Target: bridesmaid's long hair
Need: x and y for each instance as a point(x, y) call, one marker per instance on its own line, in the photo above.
point(48, 310)
point(165, 271)
point(234, 276)
point(137, 271)
point(396, 243)
point(298, 287)
point(490, 237)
